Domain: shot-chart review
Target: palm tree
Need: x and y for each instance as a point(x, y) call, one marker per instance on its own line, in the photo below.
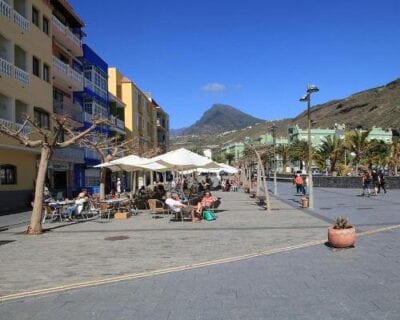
point(229, 157)
point(395, 154)
point(283, 151)
point(379, 154)
point(332, 148)
point(356, 141)
point(298, 151)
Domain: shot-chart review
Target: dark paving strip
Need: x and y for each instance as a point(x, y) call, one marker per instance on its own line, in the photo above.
point(3, 242)
point(195, 229)
point(314, 214)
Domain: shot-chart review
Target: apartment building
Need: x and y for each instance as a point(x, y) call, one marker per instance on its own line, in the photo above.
point(146, 123)
point(140, 113)
point(25, 90)
point(66, 168)
point(162, 123)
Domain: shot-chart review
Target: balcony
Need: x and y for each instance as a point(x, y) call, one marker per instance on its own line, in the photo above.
point(72, 154)
point(66, 37)
point(66, 75)
point(117, 125)
point(14, 16)
point(15, 126)
point(92, 87)
point(73, 110)
point(9, 70)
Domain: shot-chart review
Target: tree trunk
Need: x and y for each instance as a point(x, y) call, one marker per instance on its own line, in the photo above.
point(103, 174)
point(259, 165)
point(35, 226)
point(267, 201)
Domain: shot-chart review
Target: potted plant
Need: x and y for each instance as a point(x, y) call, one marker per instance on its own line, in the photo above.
point(341, 234)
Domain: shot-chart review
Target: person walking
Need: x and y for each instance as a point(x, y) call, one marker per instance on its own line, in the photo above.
point(366, 183)
point(381, 183)
point(299, 182)
point(375, 182)
point(118, 185)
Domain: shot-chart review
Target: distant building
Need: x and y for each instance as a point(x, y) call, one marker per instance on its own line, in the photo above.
point(318, 135)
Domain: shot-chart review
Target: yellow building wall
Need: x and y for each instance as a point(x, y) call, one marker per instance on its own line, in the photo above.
point(26, 169)
point(38, 93)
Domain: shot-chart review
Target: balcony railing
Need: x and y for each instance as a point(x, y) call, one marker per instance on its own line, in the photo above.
point(21, 75)
point(15, 126)
point(12, 15)
point(66, 31)
point(90, 85)
point(120, 124)
point(21, 21)
point(5, 9)
point(63, 108)
point(10, 70)
point(67, 70)
point(74, 154)
point(6, 67)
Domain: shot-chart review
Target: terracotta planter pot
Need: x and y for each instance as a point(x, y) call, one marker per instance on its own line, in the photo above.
point(341, 238)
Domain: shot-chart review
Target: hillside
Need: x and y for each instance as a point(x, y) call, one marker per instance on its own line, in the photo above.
point(378, 106)
point(374, 107)
point(219, 118)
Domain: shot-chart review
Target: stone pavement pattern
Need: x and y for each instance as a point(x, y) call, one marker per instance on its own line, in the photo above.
point(314, 282)
point(309, 283)
point(78, 252)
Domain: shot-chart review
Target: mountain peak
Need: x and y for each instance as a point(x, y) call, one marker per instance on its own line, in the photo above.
point(221, 118)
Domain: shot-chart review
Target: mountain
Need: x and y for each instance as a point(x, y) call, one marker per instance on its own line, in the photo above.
point(219, 118)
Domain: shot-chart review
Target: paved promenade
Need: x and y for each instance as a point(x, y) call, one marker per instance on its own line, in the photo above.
point(248, 264)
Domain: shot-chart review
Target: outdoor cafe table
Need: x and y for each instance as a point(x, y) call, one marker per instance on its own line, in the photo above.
point(61, 206)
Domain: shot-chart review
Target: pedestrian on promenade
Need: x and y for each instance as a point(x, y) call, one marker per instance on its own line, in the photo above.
point(299, 182)
point(375, 181)
point(118, 185)
point(366, 183)
point(381, 184)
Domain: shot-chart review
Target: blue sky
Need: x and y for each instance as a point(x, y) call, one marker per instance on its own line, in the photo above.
point(255, 55)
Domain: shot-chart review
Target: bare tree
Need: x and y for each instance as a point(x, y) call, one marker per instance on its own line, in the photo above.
point(108, 149)
point(64, 135)
point(261, 153)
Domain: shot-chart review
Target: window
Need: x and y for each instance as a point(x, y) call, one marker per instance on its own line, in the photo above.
point(41, 118)
point(45, 25)
point(35, 16)
point(8, 174)
point(46, 73)
point(35, 66)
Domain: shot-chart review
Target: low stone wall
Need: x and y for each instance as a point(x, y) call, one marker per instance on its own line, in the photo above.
point(345, 182)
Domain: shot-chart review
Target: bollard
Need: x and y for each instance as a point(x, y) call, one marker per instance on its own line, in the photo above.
point(304, 202)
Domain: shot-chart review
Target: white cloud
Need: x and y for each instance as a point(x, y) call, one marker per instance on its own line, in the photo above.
point(214, 87)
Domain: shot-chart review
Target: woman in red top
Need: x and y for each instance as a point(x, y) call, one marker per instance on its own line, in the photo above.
point(206, 202)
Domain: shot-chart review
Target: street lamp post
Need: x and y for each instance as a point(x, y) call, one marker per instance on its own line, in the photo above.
point(307, 98)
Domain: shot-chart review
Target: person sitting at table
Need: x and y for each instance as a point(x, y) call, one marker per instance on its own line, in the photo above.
point(208, 201)
point(78, 205)
point(179, 208)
